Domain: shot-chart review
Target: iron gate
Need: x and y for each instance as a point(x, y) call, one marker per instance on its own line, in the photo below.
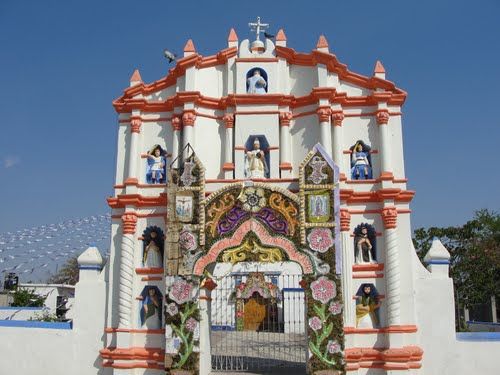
point(259, 333)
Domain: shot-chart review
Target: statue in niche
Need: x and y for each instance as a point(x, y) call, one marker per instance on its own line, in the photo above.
point(151, 308)
point(364, 244)
point(256, 84)
point(153, 246)
point(361, 168)
point(156, 173)
point(255, 162)
point(367, 307)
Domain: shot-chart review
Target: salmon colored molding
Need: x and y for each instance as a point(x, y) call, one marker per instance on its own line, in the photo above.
point(189, 47)
point(228, 167)
point(128, 330)
point(399, 195)
point(137, 200)
point(253, 225)
point(390, 329)
point(322, 42)
point(131, 365)
point(280, 36)
point(286, 166)
point(232, 37)
point(149, 271)
point(136, 77)
point(368, 267)
point(151, 354)
point(398, 358)
point(379, 68)
point(129, 220)
point(152, 278)
point(367, 275)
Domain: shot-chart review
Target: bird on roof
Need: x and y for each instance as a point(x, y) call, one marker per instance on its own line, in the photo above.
point(269, 36)
point(170, 56)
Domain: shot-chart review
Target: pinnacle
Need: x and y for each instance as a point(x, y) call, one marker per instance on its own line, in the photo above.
point(136, 76)
point(189, 47)
point(281, 37)
point(232, 37)
point(379, 68)
point(322, 42)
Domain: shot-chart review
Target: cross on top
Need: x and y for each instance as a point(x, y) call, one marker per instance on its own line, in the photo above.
point(258, 27)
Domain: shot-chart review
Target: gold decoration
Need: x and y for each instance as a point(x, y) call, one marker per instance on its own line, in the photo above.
point(217, 210)
point(289, 211)
point(252, 251)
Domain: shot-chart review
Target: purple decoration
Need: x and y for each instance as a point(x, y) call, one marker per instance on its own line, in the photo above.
point(273, 221)
point(231, 220)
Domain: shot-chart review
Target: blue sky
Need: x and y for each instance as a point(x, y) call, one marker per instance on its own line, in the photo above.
point(63, 62)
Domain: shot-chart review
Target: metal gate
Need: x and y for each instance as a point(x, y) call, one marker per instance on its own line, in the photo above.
point(259, 332)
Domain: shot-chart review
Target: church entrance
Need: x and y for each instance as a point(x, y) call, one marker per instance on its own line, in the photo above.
point(258, 322)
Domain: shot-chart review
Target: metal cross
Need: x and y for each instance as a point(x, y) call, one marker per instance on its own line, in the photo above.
point(258, 27)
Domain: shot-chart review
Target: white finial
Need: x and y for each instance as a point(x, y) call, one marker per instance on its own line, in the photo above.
point(258, 27)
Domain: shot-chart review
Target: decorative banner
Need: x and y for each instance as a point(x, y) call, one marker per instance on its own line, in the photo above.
point(184, 207)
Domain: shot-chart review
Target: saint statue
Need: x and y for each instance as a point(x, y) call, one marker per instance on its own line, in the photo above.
point(363, 247)
point(152, 254)
point(151, 310)
point(360, 164)
point(255, 162)
point(156, 165)
point(367, 305)
point(256, 84)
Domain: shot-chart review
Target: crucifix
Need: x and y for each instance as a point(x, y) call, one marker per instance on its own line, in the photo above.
point(258, 27)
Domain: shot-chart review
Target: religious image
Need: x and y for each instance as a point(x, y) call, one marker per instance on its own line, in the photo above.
point(256, 82)
point(153, 248)
point(151, 308)
point(255, 162)
point(361, 168)
point(367, 307)
point(184, 209)
point(318, 207)
point(365, 244)
point(156, 168)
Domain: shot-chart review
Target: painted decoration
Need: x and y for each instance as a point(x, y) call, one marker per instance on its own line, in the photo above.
point(367, 307)
point(318, 207)
point(156, 168)
point(364, 244)
point(253, 199)
point(187, 176)
point(153, 247)
point(320, 239)
point(361, 166)
point(151, 308)
point(184, 206)
point(188, 240)
point(317, 175)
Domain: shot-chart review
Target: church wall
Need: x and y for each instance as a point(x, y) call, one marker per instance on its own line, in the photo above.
point(353, 90)
point(121, 154)
point(305, 134)
point(114, 274)
point(209, 146)
point(397, 146)
point(302, 80)
point(162, 95)
point(209, 81)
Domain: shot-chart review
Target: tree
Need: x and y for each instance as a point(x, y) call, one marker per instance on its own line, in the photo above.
point(27, 298)
point(68, 274)
point(475, 256)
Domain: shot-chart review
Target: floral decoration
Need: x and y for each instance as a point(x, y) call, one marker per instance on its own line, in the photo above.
point(181, 291)
point(191, 324)
point(315, 323)
point(335, 308)
point(188, 240)
point(253, 199)
point(172, 309)
point(323, 290)
point(333, 347)
point(320, 239)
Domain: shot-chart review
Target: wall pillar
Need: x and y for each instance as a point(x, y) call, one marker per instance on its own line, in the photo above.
point(338, 152)
point(285, 149)
point(347, 262)
point(188, 120)
point(392, 273)
point(385, 145)
point(125, 298)
point(206, 288)
point(324, 114)
point(228, 166)
point(135, 130)
point(176, 127)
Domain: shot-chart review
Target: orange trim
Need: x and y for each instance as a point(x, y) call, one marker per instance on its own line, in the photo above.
point(286, 166)
point(399, 358)
point(146, 331)
point(137, 200)
point(228, 167)
point(256, 59)
point(149, 271)
point(189, 47)
point(390, 329)
point(281, 37)
point(257, 113)
point(368, 267)
point(367, 275)
point(379, 68)
point(152, 278)
point(322, 42)
point(136, 364)
point(399, 195)
point(232, 37)
point(131, 181)
point(136, 76)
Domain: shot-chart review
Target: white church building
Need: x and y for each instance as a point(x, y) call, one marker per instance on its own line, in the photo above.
point(260, 222)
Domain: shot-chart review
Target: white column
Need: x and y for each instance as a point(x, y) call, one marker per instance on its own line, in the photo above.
point(188, 119)
point(385, 145)
point(176, 127)
point(494, 310)
point(135, 129)
point(129, 221)
point(228, 166)
point(285, 149)
point(392, 269)
point(325, 129)
point(338, 151)
point(205, 316)
point(347, 262)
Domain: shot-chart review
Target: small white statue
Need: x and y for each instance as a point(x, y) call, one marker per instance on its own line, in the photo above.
point(256, 84)
point(255, 162)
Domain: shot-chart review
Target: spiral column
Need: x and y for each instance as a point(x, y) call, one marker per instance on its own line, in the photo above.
point(129, 220)
point(392, 273)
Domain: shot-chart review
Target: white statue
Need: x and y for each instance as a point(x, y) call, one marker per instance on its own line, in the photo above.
point(256, 84)
point(255, 162)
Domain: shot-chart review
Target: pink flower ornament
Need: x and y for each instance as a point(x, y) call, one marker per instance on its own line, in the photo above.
point(320, 239)
point(333, 347)
point(191, 324)
point(323, 290)
point(172, 309)
point(315, 323)
point(180, 292)
point(335, 308)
